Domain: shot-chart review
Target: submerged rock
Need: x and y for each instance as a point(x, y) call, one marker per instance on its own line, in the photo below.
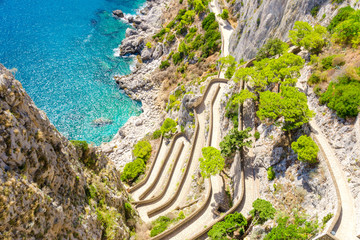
point(101, 122)
point(118, 13)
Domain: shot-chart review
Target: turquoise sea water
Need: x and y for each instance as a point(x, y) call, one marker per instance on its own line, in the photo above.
point(63, 51)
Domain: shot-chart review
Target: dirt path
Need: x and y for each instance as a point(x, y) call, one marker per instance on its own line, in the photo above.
point(346, 226)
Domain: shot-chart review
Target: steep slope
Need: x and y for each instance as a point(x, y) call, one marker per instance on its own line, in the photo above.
point(46, 192)
point(258, 21)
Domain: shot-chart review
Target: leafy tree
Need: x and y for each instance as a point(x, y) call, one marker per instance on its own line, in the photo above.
point(272, 47)
point(311, 38)
point(212, 162)
point(177, 58)
point(132, 170)
point(343, 97)
point(284, 69)
point(183, 49)
point(208, 21)
point(299, 228)
point(348, 31)
point(199, 6)
point(225, 229)
point(289, 103)
point(225, 14)
point(262, 211)
point(142, 150)
point(342, 15)
point(230, 63)
point(306, 149)
point(235, 140)
point(168, 127)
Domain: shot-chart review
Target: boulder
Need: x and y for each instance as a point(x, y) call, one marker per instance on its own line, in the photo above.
point(101, 122)
point(146, 54)
point(131, 32)
point(158, 51)
point(118, 13)
point(131, 45)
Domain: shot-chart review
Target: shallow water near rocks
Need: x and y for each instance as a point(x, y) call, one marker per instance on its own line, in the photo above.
point(63, 51)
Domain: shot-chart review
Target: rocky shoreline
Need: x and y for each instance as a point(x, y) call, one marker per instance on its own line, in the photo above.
point(139, 85)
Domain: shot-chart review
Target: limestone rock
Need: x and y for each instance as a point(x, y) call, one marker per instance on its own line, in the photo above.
point(118, 13)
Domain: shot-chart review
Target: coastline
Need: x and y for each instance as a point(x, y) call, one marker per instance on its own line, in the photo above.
point(138, 85)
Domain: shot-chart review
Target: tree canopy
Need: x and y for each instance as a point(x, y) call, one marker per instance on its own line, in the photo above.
point(234, 141)
point(262, 211)
point(306, 149)
point(225, 229)
point(212, 162)
point(285, 69)
point(271, 48)
point(289, 103)
point(142, 150)
point(230, 63)
point(311, 38)
point(168, 127)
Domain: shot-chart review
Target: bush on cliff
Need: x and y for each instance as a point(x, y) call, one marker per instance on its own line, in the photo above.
point(168, 128)
point(234, 141)
point(142, 150)
point(306, 149)
point(272, 47)
point(212, 162)
point(225, 229)
point(133, 170)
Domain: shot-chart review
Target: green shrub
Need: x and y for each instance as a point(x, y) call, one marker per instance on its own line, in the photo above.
point(342, 15)
point(197, 42)
point(271, 48)
point(168, 127)
point(109, 220)
point(212, 162)
point(262, 211)
point(234, 141)
point(326, 62)
point(314, 11)
point(171, 24)
point(225, 14)
point(314, 79)
point(343, 97)
point(164, 64)
point(327, 218)
point(225, 229)
point(81, 145)
point(348, 31)
point(160, 225)
point(306, 149)
point(157, 134)
point(148, 45)
point(270, 174)
point(177, 58)
point(170, 38)
point(257, 135)
point(142, 150)
point(311, 38)
point(133, 170)
point(208, 20)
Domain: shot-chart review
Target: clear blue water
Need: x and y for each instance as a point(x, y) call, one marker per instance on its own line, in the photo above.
point(63, 51)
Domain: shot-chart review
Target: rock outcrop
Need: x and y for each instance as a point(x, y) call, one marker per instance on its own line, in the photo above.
point(260, 20)
point(46, 192)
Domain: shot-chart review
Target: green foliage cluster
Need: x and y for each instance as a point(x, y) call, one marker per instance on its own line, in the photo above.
point(86, 157)
point(225, 229)
point(311, 38)
point(343, 97)
point(290, 103)
point(327, 218)
point(164, 64)
point(108, 218)
point(299, 228)
point(265, 72)
point(168, 128)
point(348, 31)
point(230, 63)
point(342, 15)
point(156, 134)
point(212, 162)
point(306, 149)
point(212, 38)
point(163, 222)
point(270, 174)
point(225, 14)
point(257, 135)
point(142, 150)
point(232, 105)
point(314, 11)
point(132, 170)
point(262, 211)
point(271, 48)
point(82, 145)
point(234, 141)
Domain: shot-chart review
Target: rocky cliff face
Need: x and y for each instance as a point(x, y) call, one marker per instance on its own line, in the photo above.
point(261, 20)
point(46, 192)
